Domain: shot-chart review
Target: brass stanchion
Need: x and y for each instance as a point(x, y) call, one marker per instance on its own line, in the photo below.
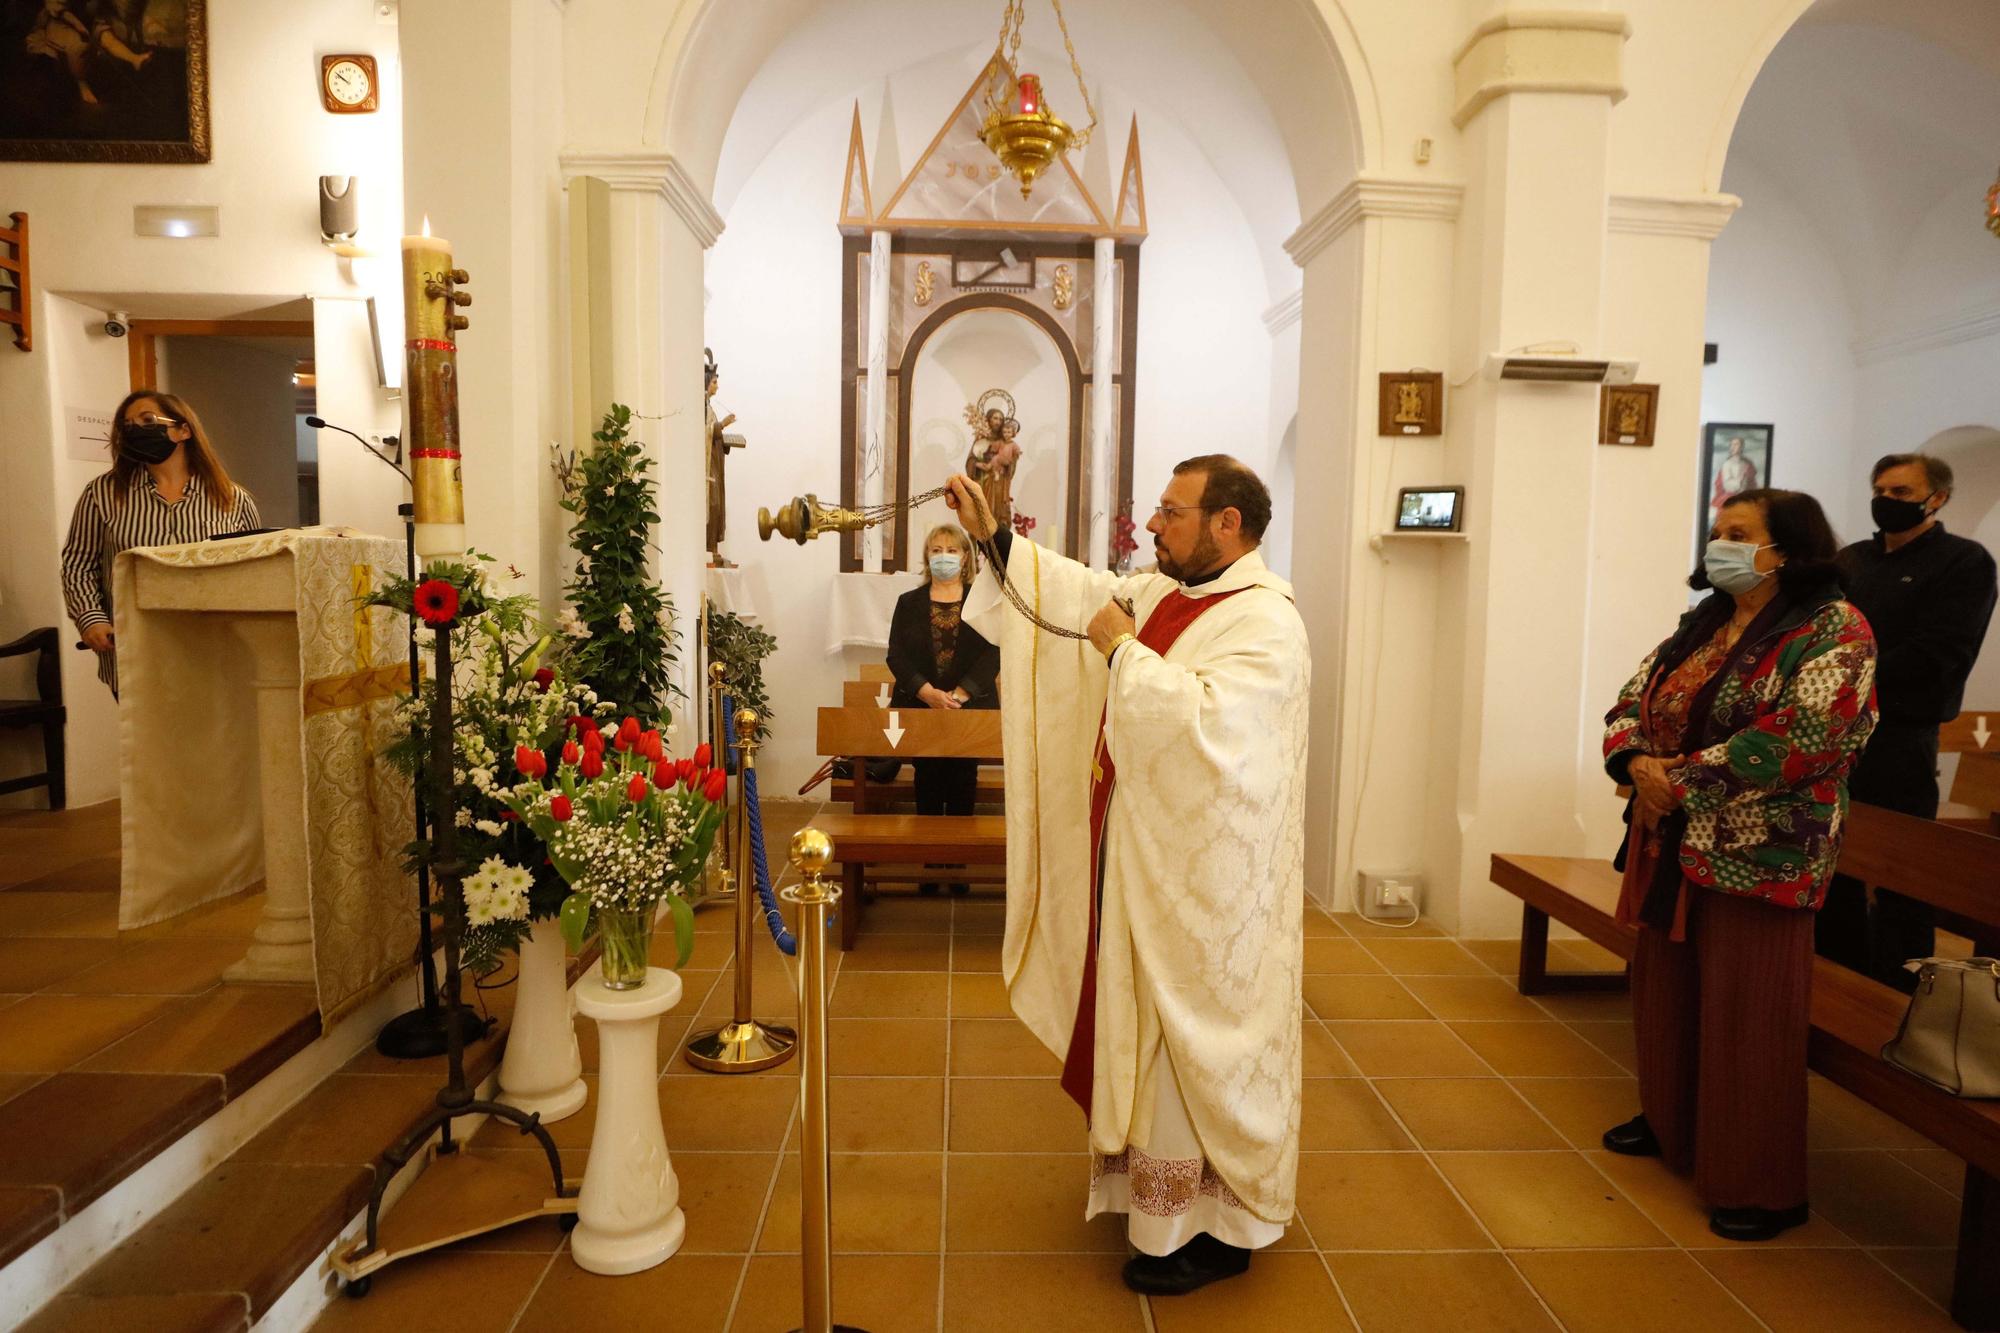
point(718, 734)
point(745, 1045)
point(812, 850)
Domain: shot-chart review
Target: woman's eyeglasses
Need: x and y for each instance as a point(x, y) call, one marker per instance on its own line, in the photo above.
point(155, 419)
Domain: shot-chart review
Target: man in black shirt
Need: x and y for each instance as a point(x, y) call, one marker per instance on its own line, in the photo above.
point(1929, 596)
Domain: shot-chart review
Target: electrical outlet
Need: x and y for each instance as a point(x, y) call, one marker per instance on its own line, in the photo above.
point(1390, 895)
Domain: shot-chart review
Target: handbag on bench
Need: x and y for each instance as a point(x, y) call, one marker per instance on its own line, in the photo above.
point(1950, 1037)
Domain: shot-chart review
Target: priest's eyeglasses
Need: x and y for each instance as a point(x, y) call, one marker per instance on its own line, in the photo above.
point(1165, 512)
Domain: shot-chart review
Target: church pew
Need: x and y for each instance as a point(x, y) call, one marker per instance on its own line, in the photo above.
point(870, 733)
point(875, 672)
point(1963, 734)
point(1952, 869)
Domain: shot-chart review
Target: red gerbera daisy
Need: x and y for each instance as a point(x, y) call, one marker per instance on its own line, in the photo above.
point(436, 601)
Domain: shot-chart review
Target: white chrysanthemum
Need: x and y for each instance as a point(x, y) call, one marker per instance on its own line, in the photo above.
point(625, 622)
point(490, 827)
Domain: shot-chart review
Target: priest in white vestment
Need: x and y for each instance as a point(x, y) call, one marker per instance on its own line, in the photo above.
point(1155, 862)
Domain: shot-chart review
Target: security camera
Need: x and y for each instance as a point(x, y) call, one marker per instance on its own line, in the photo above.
point(117, 323)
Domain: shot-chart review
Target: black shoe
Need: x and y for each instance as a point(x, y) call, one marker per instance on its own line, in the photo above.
point(928, 890)
point(1634, 1138)
point(1193, 1266)
point(1755, 1223)
point(960, 890)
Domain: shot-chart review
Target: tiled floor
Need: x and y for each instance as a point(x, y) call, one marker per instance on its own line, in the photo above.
point(1450, 1176)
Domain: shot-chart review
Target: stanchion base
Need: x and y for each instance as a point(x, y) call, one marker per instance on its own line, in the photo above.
point(742, 1048)
point(420, 1033)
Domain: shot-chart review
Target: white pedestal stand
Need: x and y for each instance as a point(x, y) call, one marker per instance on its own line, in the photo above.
point(542, 1071)
point(628, 1215)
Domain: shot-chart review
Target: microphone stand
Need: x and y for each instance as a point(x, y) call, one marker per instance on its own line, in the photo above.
point(422, 1032)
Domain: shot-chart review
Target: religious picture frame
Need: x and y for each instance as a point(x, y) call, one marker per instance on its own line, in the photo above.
point(1735, 457)
point(1625, 414)
point(85, 82)
point(1411, 402)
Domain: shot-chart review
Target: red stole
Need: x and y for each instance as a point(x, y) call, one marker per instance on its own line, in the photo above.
point(1173, 615)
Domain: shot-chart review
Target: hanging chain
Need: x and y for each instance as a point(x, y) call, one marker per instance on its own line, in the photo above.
point(1008, 48)
point(1075, 68)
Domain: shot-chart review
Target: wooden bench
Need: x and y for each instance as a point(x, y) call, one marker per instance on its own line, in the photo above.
point(862, 842)
point(1954, 870)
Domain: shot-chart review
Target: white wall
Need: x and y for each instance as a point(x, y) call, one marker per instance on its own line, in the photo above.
point(247, 403)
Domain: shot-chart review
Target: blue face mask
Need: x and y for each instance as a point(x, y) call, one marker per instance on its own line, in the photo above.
point(945, 567)
point(1732, 566)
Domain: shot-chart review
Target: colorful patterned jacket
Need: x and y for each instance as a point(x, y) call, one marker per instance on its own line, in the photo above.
point(1764, 789)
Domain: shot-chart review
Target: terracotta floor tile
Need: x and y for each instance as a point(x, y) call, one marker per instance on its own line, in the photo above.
point(994, 1293)
point(349, 1118)
point(1929, 1271)
point(882, 1115)
point(449, 1289)
point(1583, 956)
point(1616, 1039)
point(1673, 1206)
point(1364, 929)
point(1466, 1113)
point(979, 995)
point(1836, 1118)
point(1821, 1291)
point(570, 1134)
point(1422, 1049)
point(13, 1085)
point(970, 918)
point(83, 1133)
point(25, 915)
point(1502, 956)
point(30, 964)
point(861, 994)
point(695, 1288)
point(232, 918)
point(909, 914)
point(1422, 1293)
point(1636, 1291)
point(725, 1114)
point(1589, 1006)
point(883, 1293)
point(884, 1047)
point(1536, 1050)
point(882, 1203)
point(1426, 957)
point(999, 1047)
point(1015, 1115)
point(773, 995)
point(1473, 997)
point(243, 1227)
point(976, 953)
point(1321, 1056)
point(1879, 1201)
point(899, 953)
point(154, 967)
point(1582, 1108)
point(201, 1312)
point(68, 873)
point(26, 1215)
point(1382, 1201)
point(1943, 1169)
point(239, 1032)
point(1345, 1115)
point(1281, 1291)
point(1319, 925)
point(722, 1194)
point(1333, 998)
point(1546, 1200)
point(1044, 1197)
point(1337, 955)
point(50, 1033)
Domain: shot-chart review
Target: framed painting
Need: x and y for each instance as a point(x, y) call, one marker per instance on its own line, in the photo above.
point(104, 81)
point(1735, 457)
point(1625, 413)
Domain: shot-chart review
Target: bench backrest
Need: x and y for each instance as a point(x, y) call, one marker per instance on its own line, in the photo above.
point(1953, 869)
point(865, 693)
point(875, 671)
point(1973, 731)
point(926, 733)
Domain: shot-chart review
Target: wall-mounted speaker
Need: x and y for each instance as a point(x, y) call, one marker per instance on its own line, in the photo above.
point(339, 209)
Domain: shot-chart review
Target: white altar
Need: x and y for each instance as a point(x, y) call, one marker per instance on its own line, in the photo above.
point(256, 694)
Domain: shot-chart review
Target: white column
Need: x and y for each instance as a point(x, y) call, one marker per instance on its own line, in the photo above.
point(1103, 405)
point(875, 460)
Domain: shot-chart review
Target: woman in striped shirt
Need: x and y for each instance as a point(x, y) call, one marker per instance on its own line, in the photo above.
point(165, 486)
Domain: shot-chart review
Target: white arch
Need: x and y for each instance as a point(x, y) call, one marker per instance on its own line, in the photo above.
point(1788, 14)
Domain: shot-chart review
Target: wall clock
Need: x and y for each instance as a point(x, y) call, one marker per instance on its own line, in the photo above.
point(347, 84)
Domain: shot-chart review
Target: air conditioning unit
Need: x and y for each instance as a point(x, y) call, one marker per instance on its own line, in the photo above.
point(1559, 368)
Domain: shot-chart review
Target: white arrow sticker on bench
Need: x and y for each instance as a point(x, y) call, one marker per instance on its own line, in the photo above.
point(882, 697)
point(894, 731)
point(1979, 731)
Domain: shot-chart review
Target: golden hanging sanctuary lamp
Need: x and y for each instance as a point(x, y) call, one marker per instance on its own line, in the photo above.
point(1023, 133)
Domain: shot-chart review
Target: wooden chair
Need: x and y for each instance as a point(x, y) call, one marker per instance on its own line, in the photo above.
point(45, 711)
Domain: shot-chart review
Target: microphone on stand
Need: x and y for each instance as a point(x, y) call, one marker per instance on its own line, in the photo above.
point(321, 423)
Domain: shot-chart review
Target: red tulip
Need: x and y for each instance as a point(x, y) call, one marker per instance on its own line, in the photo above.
point(636, 789)
point(559, 808)
point(628, 733)
point(592, 765)
point(717, 784)
point(684, 767)
point(703, 755)
point(576, 723)
point(593, 740)
point(692, 779)
point(532, 763)
point(436, 601)
point(570, 752)
point(543, 679)
point(509, 816)
point(664, 775)
point(651, 746)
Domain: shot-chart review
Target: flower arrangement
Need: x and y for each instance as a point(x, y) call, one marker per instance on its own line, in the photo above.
point(627, 827)
point(1123, 543)
point(619, 621)
point(1023, 525)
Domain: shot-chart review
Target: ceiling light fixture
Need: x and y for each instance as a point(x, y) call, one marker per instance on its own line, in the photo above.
point(1023, 133)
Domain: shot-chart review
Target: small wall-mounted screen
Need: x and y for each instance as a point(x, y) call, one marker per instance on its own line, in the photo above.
point(1429, 508)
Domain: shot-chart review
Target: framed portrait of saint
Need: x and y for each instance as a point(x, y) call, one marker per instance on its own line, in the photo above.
point(104, 81)
point(1735, 457)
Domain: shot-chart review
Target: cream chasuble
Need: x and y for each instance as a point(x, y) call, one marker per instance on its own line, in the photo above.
point(1199, 943)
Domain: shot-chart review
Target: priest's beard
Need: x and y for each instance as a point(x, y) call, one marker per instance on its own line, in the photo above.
point(1203, 559)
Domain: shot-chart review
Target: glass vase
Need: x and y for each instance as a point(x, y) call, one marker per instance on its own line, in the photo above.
point(625, 943)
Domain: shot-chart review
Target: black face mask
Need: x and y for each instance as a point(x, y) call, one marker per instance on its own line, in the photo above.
point(1892, 515)
point(148, 444)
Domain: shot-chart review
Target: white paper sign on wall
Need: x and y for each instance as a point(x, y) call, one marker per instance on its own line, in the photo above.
point(89, 434)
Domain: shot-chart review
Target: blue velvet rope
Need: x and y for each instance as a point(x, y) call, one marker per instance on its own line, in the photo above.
point(773, 913)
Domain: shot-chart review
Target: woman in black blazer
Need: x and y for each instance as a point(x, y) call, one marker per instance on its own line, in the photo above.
point(941, 662)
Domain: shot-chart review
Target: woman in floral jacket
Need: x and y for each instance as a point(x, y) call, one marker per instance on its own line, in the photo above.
point(1736, 737)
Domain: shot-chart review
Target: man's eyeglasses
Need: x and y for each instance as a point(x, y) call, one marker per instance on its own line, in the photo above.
point(1164, 512)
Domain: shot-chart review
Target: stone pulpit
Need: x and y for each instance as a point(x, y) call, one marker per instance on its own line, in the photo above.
point(257, 692)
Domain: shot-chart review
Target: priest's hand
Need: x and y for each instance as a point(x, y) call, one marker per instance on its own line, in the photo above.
point(962, 493)
point(1110, 621)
